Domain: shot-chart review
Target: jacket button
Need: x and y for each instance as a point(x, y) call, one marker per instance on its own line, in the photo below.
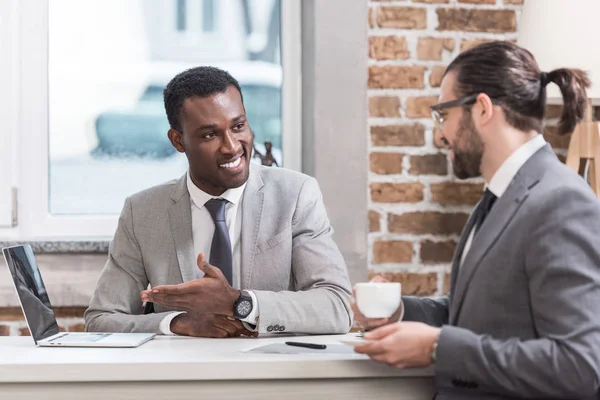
point(282, 328)
point(269, 328)
point(276, 328)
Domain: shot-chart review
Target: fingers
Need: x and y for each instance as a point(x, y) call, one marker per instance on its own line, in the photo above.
point(178, 302)
point(201, 261)
point(382, 332)
point(367, 323)
point(379, 278)
point(187, 287)
point(230, 326)
point(209, 270)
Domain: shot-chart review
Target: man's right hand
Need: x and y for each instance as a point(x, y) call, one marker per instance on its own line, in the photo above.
point(208, 325)
point(372, 323)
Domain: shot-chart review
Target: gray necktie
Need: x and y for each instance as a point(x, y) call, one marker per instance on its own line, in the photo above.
point(220, 249)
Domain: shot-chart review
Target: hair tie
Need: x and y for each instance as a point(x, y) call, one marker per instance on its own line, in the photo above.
point(544, 79)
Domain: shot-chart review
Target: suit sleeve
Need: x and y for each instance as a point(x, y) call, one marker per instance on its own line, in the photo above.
point(321, 302)
point(116, 303)
point(430, 311)
point(563, 265)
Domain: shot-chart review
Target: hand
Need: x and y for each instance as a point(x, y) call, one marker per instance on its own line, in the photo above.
point(402, 344)
point(372, 323)
point(208, 325)
point(209, 294)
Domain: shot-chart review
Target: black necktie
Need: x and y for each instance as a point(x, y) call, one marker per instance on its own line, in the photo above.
point(483, 209)
point(220, 249)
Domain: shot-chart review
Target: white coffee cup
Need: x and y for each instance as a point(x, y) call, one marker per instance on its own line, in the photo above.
point(378, 299)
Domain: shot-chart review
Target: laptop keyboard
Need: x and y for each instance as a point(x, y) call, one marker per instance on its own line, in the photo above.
point(88, 337)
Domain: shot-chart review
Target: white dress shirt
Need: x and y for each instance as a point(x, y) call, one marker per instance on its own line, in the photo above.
point(502, 178)
point(203, 228)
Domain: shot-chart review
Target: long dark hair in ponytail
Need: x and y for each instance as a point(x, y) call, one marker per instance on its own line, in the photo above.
point(509, 73)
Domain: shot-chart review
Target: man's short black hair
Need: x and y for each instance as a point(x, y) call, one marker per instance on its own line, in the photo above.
point(199, 81)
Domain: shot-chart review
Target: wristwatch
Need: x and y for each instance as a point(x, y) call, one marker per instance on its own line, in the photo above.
point(242, 307)
point(434, 352)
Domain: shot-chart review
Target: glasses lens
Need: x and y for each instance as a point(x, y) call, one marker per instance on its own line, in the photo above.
point(437, 118)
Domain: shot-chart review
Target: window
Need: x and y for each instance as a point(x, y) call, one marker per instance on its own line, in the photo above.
point(86, 122)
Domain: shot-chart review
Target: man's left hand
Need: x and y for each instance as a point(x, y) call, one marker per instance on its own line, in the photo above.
point(401, 344)
point(209, 294)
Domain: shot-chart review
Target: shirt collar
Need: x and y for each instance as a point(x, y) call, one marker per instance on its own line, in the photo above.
point(200, 197)
point(509, 168)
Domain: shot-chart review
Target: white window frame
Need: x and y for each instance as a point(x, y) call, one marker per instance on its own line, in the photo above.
point(24, 156)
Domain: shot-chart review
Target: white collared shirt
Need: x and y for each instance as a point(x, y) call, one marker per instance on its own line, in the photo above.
point(506, 173)
point(203, 228)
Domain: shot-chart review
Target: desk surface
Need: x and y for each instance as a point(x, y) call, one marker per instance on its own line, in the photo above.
point(181, 359)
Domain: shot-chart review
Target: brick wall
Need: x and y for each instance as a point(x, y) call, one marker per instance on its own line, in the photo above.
point(12, 322)
point(417, 209)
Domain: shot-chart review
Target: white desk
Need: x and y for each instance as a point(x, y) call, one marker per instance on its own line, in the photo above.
point(182, 368)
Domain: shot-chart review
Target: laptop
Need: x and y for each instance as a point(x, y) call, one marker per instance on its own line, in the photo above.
point(38, 310)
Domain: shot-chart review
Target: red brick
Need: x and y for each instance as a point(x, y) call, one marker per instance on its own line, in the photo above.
point(4, 330)
point(396, 77)
point(431, 48)
point(384, 106)
point(447, 280)
point(478, 1)
point(374, 221)
point(397, 192)
point(437, 252)
point(402, 17)
point(436, 76)
point(24, 332)
point(427, 222)
point(429, 164)
point(413, 284)
point(476, 20)
point(467, 44)
point(76, 328)
point(419, 107)
point(386, 163)
point(398, 135)
point(388, 48)
point(456, 193)
point(392, 252)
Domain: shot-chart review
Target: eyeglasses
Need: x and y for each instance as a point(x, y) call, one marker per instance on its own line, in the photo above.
point(438, 117)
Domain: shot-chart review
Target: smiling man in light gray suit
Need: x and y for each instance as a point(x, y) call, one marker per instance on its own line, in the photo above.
point(230, 248)
point(522, 318)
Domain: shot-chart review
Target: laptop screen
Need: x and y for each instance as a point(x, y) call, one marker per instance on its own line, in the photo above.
point(31, 291)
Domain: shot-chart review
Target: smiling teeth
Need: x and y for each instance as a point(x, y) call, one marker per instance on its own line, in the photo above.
point(232, 164)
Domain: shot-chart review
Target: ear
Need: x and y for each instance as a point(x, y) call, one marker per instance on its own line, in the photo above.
point(176, 139)
point(483, 110)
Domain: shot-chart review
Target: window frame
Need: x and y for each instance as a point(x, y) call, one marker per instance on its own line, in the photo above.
point(24, 155)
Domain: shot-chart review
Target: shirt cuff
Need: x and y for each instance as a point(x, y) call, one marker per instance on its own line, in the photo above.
point(251, 321)
point(165, 324)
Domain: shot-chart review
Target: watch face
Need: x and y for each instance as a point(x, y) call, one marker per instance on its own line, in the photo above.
point(244, 308)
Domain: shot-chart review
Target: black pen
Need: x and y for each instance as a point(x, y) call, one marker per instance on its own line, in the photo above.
point(307, 345)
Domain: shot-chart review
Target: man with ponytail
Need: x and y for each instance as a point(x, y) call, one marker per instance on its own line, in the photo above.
point(522, 316)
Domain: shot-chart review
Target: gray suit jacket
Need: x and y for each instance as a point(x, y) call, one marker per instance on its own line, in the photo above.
point(522, 319)
point(288, 256)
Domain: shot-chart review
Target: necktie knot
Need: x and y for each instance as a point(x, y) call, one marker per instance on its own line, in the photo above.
point(488, 200)
point(216, 208)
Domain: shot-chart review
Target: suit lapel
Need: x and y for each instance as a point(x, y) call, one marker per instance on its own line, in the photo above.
point(497, 220)
point(180, 221)
point(252, 208)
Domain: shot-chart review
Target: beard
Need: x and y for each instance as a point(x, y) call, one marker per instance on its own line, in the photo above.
point(468, 150)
